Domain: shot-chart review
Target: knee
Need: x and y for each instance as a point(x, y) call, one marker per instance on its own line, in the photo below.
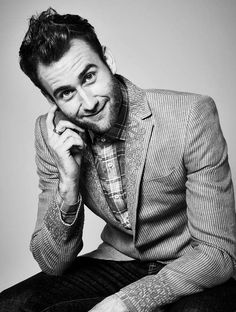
point(185, 307)
point(192, 304)
point(16, 299)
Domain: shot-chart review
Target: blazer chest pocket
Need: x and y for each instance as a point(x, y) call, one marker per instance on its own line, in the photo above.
point(153, 173)
point(163, 167)
point(159, 167)
point(171, 180)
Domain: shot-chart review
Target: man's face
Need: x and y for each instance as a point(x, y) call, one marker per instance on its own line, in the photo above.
point(83, 87)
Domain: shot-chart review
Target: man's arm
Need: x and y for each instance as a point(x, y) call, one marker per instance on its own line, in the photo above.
point(211, 220)
point(57, 238)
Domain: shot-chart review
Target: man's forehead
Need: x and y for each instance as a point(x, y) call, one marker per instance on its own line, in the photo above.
point(75, 60)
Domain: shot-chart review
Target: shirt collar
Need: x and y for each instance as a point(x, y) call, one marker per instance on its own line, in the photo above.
point(117, 132)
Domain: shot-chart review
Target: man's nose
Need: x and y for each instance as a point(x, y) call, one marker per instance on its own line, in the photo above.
point(89, 101)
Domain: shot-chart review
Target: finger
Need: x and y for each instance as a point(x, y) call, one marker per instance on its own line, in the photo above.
point(50, 118)
point(65, 124)
point(69, 133)
point(72, 142)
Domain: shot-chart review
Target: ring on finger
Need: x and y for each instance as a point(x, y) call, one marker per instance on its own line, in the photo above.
point(57, 131)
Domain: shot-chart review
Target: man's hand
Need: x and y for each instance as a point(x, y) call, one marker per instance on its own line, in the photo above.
point(110, 304)
point(67, 145)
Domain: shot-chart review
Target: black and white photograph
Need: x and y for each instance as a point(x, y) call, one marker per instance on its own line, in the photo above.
point(118, 155)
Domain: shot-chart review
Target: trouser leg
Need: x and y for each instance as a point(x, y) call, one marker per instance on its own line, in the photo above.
point(221, 298)
point(88, 281)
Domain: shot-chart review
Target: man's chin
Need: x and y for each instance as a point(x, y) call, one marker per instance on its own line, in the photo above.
point(98, 128)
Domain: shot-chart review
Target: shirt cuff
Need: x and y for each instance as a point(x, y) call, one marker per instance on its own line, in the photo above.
point(68, 212)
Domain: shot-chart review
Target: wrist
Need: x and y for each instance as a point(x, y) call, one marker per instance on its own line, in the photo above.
point(68, 212)
point(69, 191)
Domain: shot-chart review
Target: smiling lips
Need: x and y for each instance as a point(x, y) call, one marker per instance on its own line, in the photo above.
point(97, 111)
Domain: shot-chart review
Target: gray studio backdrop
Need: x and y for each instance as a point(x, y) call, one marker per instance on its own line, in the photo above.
point(186, 45)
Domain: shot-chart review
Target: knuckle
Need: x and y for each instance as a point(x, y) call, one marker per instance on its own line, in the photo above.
point(67, 132)
point(61, 123)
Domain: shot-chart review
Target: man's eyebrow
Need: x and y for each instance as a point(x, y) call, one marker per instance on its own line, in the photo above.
point(87, 67)
point(62, 88)
point(66, 87)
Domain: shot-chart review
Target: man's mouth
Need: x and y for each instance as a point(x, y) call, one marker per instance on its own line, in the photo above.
point(92, 114)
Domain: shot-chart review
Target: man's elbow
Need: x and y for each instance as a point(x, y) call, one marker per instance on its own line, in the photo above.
point(223, 266)
point(54, 263)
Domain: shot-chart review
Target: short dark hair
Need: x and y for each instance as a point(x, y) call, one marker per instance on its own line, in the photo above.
point(49, 36)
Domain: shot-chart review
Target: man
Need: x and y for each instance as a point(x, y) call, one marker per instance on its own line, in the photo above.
point(151, 163)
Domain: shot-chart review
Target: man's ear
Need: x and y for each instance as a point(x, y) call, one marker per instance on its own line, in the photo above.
point(109, 59)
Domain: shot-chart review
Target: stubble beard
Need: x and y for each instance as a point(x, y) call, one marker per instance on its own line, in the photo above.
point(114, 103)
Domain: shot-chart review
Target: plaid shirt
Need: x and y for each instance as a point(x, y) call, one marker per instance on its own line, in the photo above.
point(109, 156)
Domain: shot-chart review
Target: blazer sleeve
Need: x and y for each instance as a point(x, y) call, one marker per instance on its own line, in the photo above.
point(211, 219)
point(54, 243)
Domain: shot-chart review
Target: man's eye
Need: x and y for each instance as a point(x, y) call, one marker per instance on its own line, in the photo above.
point(67, 94)
point(89, 77)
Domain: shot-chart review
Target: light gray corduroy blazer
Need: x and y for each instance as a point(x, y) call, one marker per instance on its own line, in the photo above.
point(179, 196)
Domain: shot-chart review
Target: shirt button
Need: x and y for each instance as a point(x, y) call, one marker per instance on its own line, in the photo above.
point(110, 165)
point(116, 196)
point(103, 140)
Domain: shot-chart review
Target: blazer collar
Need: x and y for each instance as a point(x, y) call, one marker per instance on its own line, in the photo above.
point(138, 104)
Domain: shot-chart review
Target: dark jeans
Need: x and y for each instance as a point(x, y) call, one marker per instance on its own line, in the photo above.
point(89, 281)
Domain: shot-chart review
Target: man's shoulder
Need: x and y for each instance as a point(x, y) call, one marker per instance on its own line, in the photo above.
point(162, 97)
point(40, 126)
point(170, 100)
point(167, 96)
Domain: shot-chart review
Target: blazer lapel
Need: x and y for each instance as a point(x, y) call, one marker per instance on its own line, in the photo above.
point(138, 134)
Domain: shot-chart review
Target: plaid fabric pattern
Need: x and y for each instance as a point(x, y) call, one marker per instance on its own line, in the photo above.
point(109, 155)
